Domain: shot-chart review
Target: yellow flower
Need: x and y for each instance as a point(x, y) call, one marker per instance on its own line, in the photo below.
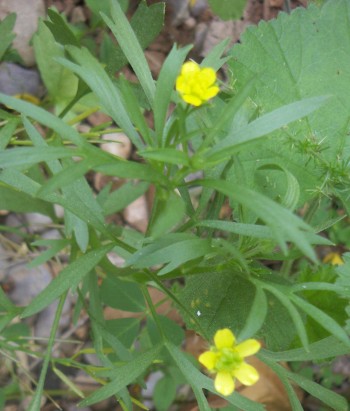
point(333, 258)
point(196, 85)
point(226, 359)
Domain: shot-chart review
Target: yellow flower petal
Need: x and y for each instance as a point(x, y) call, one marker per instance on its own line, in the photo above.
point(182, 86)
point(190, 67)
point(333, 258)
point(224, 338)
point(208, 359)
point(211, 92)
point(207, 76)
point(196, 85)
point(224, 383)
point(191, 99)
point(248, 347)
point(247, 374)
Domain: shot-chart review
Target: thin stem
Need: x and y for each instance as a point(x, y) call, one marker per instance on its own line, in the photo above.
point(287, 6)
point(36, 399)
point(179, 303)
point(82, 116)
point(153, 312)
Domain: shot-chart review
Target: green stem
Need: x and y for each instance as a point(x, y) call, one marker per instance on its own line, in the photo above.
point(178, 302)
point(314, 204)
point(287, 6)
point(153, 312)
point(35, 403)
point(83, 116)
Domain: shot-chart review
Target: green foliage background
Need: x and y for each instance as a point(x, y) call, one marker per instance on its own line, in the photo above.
point(274, 142)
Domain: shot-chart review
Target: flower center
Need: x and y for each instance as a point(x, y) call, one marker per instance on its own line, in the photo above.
point(228, 360)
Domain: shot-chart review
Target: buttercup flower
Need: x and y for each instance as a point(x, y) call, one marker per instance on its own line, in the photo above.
point(226, 359)
point(196, 85)
point(333, 258)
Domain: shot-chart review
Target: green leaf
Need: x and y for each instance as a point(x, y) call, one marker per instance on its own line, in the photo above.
point(172, 331)
point(134, 108)
point(166, 155)
point(5, 302)
point(128, 41)
point(323, 319)
point(123, 196)
point(292, 311)
point(125, 329)
point(97, 6)
point(263, 126)
point(112, 340)
point(56, 247)
point(217, 301)
point(213, 58)
point(173, 255)
point(165, 85)
point(256, 315)
point(228, 112)
point(60, 29)
point(16, 331)
point(168, 212)
point(30, 155)
point(122, 294)
point(61, 83)
point(146, 23)
point(130, 169)
point(6, 35)
point(255, 230)
point(292, 194)
point(285, 54)
point(68, 277)
point(93, 74)
point(44, 117)
point(125, 375)
point(343, 272)
point(164, 393)
point(227, 9)
point(285, 225)
point(68, 382)
point(79, 205)
point(274, 333)
point(75, 194)
point(334, 400)
point(6, 319)
point(19, 202)
point(6, 133)
point(64, 177)
point(321, 350)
